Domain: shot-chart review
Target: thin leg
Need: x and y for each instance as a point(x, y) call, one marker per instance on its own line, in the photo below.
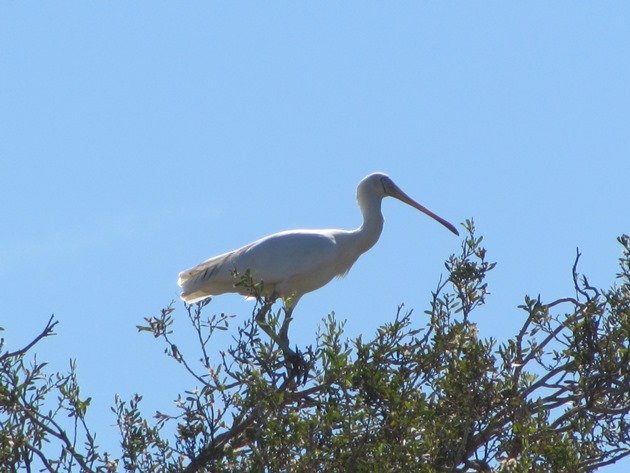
point(284, 330)
point(299, 367)
point(262, 322)
point(282, 338)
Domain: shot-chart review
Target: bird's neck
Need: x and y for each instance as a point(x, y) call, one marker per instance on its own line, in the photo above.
point(370, 231)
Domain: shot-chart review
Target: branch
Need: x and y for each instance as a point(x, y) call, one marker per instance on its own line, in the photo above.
point(58, 433)
point(46, 332)
point(541, 382)
point(213, 451)
point(42, 457)
point(591, 464)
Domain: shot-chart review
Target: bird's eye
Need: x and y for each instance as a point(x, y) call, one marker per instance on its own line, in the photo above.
point(384, 184)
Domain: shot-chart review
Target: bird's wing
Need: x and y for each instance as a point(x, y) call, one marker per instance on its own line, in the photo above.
point(294, 261)
point(210, 267)
point(283, 255)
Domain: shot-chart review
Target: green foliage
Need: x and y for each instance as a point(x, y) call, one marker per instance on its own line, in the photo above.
point(32, 406)
point(425, 393)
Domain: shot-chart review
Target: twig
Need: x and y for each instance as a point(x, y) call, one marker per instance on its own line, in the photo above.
point(46, 332)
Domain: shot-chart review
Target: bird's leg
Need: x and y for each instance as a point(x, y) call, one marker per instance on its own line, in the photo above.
point(281, 339)
point(264, 310)
point(298, 364)
point(284, 329)
point(295, 359)
point(262, 322)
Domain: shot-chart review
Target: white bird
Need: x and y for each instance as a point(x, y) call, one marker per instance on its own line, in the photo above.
point(292, 263)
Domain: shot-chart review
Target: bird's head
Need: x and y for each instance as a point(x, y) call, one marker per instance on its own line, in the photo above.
point(380, 185)
point(376, 184)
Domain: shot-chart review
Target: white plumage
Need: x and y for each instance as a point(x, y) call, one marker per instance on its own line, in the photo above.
point(292, 263)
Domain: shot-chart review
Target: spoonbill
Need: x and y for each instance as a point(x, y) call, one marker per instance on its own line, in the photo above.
point(292, 263)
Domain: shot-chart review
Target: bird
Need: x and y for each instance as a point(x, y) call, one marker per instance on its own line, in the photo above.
point(292, 263)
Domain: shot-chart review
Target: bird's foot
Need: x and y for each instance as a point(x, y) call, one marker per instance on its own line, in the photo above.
point(297, 367)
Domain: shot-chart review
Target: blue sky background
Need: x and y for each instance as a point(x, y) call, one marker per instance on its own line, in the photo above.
point(138, 139)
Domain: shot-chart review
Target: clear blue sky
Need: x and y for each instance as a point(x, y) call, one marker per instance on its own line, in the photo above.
point(137, 139)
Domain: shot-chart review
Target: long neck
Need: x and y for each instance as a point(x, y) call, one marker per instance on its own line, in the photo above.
point(370, 231)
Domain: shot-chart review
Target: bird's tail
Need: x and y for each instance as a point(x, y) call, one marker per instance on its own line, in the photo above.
point(190, 282)
point(203, 280)
point(210, 278)
point(192, 297)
